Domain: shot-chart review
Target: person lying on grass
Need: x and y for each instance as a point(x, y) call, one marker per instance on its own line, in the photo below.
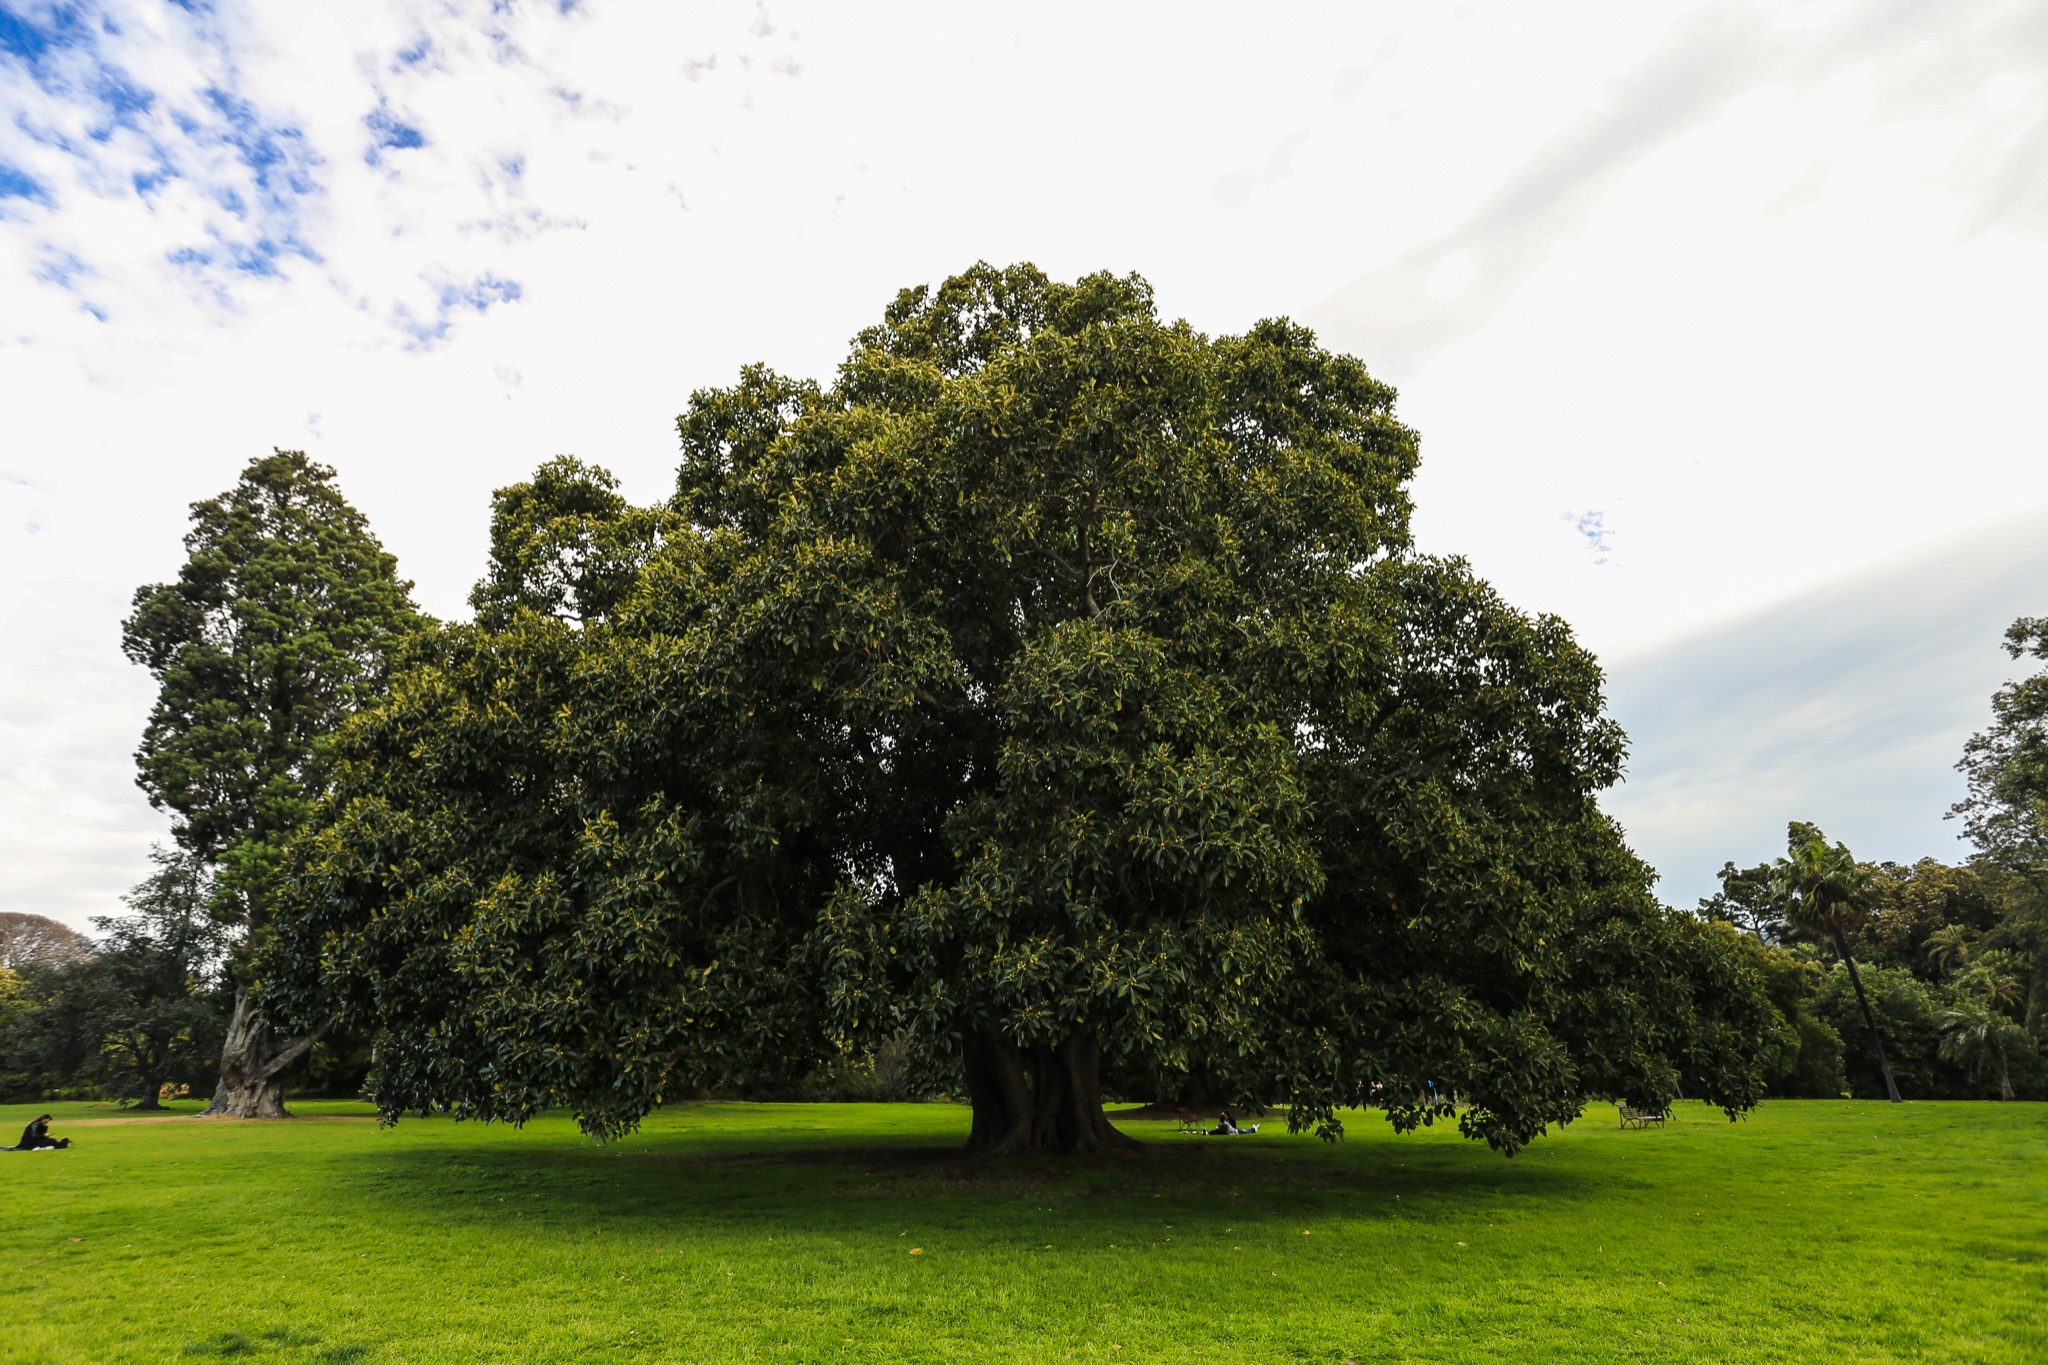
point(37, 1136)
point(1226, 1126)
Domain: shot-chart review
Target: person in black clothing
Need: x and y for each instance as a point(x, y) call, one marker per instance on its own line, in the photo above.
point(1226, 1126)
point(37, 1135)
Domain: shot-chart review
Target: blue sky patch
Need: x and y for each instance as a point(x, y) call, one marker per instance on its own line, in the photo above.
point(394, 132)
point(277, 154)
point(123, 101)
point(1593, 529)
point(148, 182)
point(23, 37)
point(62, 269)
point(451, 298)
point(221, 187)
point(252, 169)
point(480, 293)
point(389, 132)
point(19, 184)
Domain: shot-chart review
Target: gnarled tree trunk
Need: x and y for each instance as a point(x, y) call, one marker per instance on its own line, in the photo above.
point(253, 1061)
point(1045, 1099)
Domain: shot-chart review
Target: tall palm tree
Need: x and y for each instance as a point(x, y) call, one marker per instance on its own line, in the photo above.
point(1822, 893)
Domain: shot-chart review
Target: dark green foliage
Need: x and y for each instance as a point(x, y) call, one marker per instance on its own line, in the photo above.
point(1059, 685)
point(1909, 905)
point(1904, 1013)
point(876, 1077)
point(53, 1028)
point(1946, 990)
point(337, 1068)
point(1746, 901)
point(1916, 1019)
point(1944, 954)
point(1824, 896)
point(1804, 1056)
point(162, 962)
point(1957, 956)
point(141, 1010)
point(280, 623)
point(16, 1006)
point(2006, 813)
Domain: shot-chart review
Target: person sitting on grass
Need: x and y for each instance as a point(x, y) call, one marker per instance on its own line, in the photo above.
point(37, 1136)
point(1226, 1126)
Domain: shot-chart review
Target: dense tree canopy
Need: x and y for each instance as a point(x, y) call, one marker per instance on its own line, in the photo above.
point(1059, 685)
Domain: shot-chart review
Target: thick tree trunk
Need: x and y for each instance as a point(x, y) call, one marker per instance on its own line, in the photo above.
point(253, 1062)
point(152, 1094)
point(1044, 1100)
point(1883, 1063)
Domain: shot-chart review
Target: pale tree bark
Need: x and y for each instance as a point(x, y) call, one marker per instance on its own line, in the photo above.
point(253, 1062)
point(1045, 1099)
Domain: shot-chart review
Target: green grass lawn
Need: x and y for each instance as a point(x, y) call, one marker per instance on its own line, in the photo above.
point(1812, 1231)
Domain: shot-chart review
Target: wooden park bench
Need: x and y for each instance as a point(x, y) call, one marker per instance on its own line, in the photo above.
point(1632, 1117)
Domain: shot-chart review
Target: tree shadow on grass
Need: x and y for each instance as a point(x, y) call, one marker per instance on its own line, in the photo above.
point(824, 1186)
point(287, 1341)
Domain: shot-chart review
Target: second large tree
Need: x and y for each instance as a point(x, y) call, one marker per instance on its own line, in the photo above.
point(1059, 686)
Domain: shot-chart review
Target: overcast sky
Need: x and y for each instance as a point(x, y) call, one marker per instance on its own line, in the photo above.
point(1720, 322)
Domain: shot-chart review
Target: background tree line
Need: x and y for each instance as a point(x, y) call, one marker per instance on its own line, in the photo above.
point(140, 1012)
point(1951, 959)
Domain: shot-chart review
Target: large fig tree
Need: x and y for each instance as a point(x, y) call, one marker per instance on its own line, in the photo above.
point(1059, 688)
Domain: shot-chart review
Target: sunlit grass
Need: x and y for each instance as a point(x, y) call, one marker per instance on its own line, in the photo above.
point(1812, 1231)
